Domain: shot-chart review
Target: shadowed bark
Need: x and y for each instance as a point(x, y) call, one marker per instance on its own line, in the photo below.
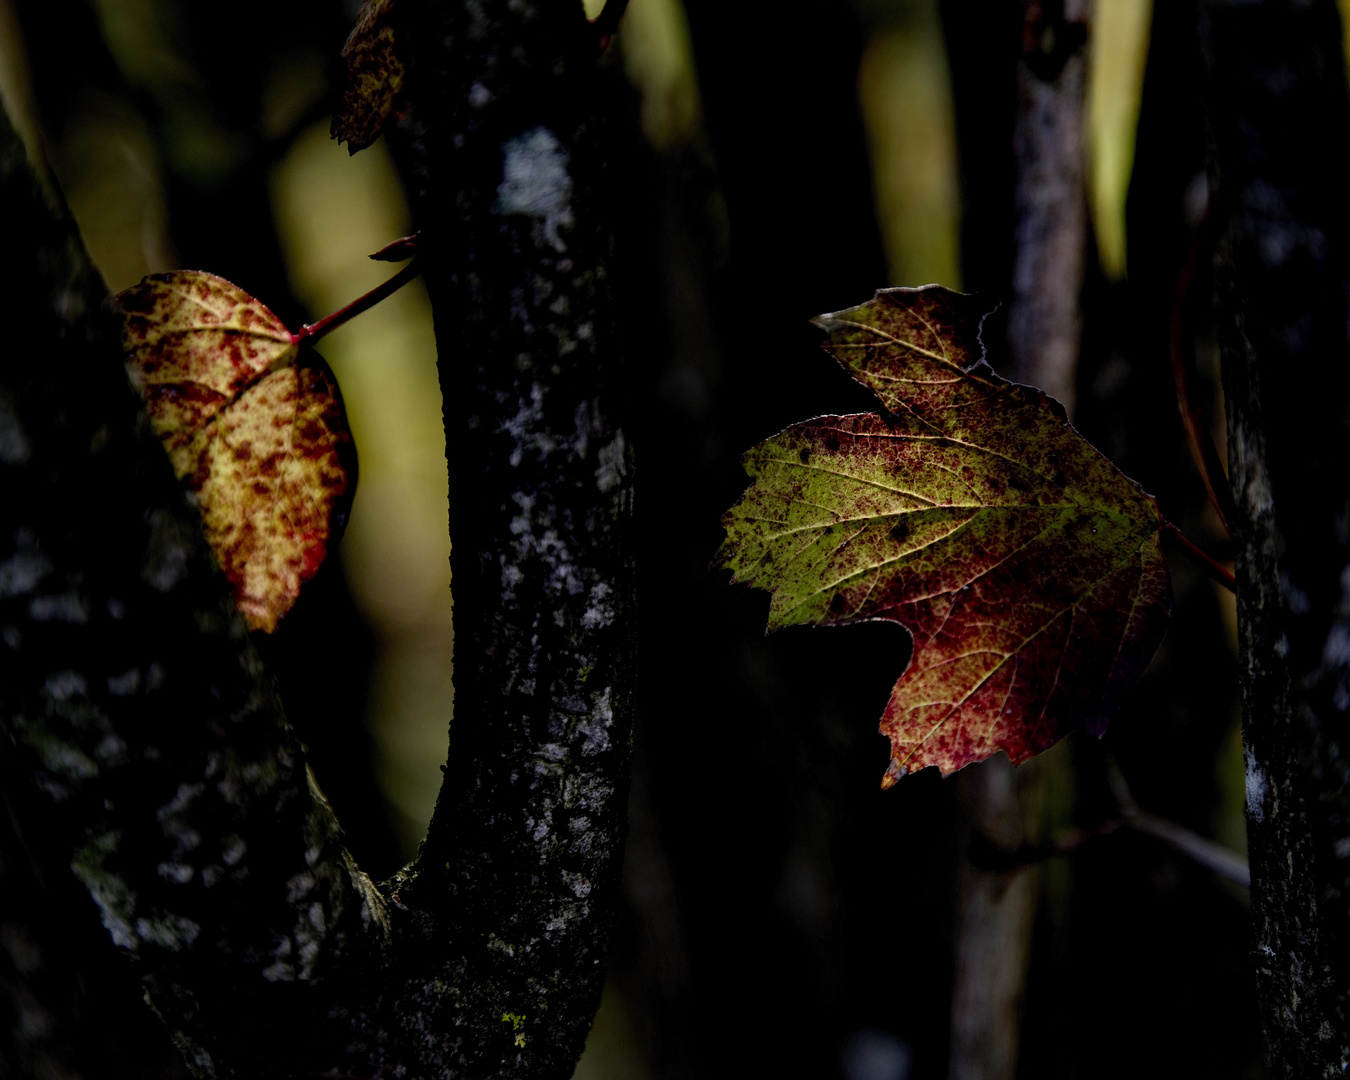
point(147, 765)
point(1279, 114)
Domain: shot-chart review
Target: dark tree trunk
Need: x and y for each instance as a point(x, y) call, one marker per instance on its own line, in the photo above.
point(513, 894)
point(141, 745)
point(1280, 118)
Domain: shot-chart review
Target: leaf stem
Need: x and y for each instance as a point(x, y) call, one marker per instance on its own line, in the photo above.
point(1203, 453)
point(315, 330)
point(1207, 853)
point(1223, 861)
point(1215, 569)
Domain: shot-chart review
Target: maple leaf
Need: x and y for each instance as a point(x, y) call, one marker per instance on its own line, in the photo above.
point(1027, 568)
point(373, 77)
point(254, 426)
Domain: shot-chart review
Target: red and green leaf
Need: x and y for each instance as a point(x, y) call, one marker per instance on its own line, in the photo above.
point(254, 426)
point(1027, 568)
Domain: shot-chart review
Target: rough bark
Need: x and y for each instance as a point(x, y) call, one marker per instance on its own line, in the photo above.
point(503, 158)
point(146, 762)
point(1045, 322)
point(143, 751)
point(1279, 115)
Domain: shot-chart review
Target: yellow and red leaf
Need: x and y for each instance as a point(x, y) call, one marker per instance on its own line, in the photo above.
point(253, 426)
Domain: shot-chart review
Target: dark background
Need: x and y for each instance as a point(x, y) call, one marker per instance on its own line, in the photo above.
point(783, 915)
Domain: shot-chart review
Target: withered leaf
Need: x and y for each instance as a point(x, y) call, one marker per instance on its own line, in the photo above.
point(253, 425)
point(1026, 567)
point(372, 77)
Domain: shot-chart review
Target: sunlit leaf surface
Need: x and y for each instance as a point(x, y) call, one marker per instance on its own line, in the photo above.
point(1026, 567)
point(253, 426)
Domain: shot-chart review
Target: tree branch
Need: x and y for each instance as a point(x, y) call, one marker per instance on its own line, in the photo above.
point(1279, 113)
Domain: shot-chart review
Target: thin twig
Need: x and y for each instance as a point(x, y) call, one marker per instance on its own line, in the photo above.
point(1223, 861)
point(1203, 453)
point(1215, 569)
point(316, 330)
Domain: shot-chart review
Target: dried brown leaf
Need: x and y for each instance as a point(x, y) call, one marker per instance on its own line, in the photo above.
point(373, 79)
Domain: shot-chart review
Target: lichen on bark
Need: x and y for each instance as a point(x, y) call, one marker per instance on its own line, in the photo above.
point(1278, 110)
point(143, 746)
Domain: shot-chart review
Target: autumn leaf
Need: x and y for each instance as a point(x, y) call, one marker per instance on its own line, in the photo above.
point(372, 77)
point(1027, 568)
point(252, 424)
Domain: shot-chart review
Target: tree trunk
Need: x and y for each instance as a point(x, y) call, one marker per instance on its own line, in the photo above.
point(1279, 116)
point(519, 874)
point(145, 761)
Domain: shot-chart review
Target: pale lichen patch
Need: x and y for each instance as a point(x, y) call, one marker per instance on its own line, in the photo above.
point(587, 792)
point(66, 760)
point(68, 607)
point(111, 750)
point(62, 686)
point(524, 427)
point(115, 901)
point(22, 572)
point(594, 728)
point(610, 473)
point(537, 182)
point(1256, 787)
point(479, 95)
point(125, 684)
point(300, 885)
point(232, 849)
point(178, 873)
point(166, 558)
point(279, 971)
point(600, 607)
point(183, 797)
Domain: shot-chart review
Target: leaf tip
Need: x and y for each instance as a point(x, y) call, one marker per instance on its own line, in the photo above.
point(894, 771)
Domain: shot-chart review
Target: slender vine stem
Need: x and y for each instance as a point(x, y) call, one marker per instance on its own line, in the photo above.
point(1213, 856)
point(1215, 569)
point(315, 330)
point(1203, 452)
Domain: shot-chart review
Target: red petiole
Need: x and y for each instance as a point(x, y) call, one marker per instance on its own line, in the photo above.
point(1215, 569)
point(328, 323)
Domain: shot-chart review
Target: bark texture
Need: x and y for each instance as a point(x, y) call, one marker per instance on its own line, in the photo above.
point(1045, 321)
point(143, 751)
point(1279, 115)
point(150, 776)
point(503, 159)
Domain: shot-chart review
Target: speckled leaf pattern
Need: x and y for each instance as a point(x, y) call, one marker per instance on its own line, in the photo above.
point(253, 426)
point(1026, 567)
point(372, 77)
